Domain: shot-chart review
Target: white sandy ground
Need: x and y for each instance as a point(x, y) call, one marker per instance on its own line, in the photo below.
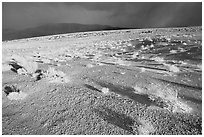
point(90, 85)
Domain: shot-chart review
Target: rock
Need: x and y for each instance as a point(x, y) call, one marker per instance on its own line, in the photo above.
point(181, 49)
point(168, 39)
point(152, 46)
point(143, 69)
point(21, 71)
point(28, 65)
point(100, 64)
point(38, 75)
point(158, 59)
point(173, 68)
point(184, 43)
point(10, 89)
point(138, 89)
point(89, 66)
point(46, 60)
point(173, 51)
point(142, 47)
point(17, 96)
point(122, 73)
point(55, 76)
point(135, 54)
point(122, 62)
point(105, 90)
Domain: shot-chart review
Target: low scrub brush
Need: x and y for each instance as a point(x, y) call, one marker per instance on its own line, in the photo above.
point(56, 76)
point(19, 62)
point(165, 96)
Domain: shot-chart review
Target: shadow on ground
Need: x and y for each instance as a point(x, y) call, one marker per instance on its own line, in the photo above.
point(194, 100)
point(180, 84)
point(91, 87)
point(15, 66)
point(130, 93)
point(119, 120)
point(193, 123)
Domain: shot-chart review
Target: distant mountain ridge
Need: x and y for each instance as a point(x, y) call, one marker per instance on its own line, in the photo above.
point(52, 29)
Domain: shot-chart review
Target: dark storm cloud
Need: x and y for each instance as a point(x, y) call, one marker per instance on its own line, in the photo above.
point(23, 15)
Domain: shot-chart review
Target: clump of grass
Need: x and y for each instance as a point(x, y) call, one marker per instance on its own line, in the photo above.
point(19, 62)
point(164, 96)
point(164, 92)
point(181, 107)
point(56, 76)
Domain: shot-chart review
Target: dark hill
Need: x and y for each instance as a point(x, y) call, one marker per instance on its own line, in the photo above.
point(52, 29)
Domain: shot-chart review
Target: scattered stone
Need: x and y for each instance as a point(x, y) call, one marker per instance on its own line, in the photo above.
point(173, 51)
point(158, 59)
point(173, 68)
point(38, 75)
point(100, 64)
point(168, 39)
point(89, 65)
point(184, 43)
point(143, 69)
point(105, 90)
point(9, 89)
point(138, 90)
point(122, 73)
point(21, 71)
point(152, 46)
point(122, 62)
point(55, 76)
point(182, 49)
point(143, 47)
point(47, 61)
point(17, 95)
point(135, 55)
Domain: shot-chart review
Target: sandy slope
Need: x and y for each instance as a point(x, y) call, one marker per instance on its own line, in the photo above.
point(117, 82)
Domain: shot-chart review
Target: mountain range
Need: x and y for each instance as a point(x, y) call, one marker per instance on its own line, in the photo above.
point(52, 29)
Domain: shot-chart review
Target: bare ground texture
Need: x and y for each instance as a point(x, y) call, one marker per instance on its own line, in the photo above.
point(121, 82)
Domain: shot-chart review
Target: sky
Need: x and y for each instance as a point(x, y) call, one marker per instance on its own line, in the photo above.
point(21, 15)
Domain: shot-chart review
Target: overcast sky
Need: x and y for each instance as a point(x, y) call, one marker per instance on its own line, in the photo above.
point(24, 15)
